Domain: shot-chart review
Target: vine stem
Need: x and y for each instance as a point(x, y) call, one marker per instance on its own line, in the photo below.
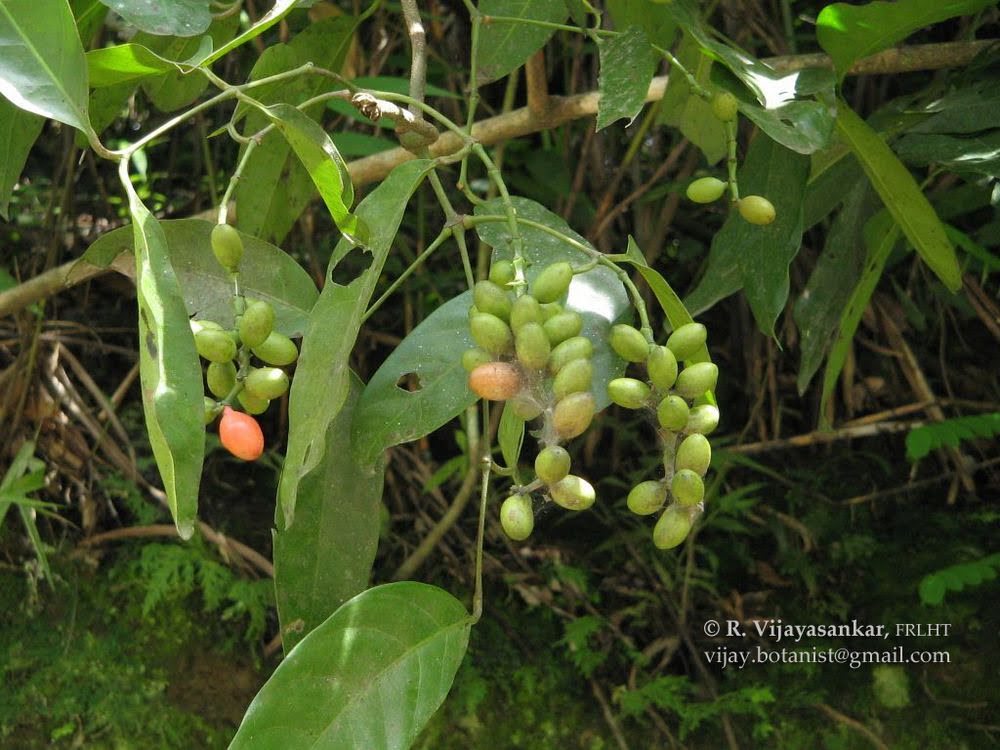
point(437, 242)
point(484, 490)
point(234, 179)
point(510, 216)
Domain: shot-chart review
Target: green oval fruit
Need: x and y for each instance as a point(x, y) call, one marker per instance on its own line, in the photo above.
point(266, 382)
point(687, 340)
point(525, 309)
point(706, 190)
point(628, 392)
point(672, 528)
point(694, 453)
point(703, 420)
point(495, 381)
point(552, 464)
point(256, 323)
point(573, 493)
point(227, 245)
point(695, 380)
point(525, 407)
point(221, 377)
point(215, 346)
point(629, 343)
point(502, 272)
point(472, 358)
point(573, 414)
point(574, 377)
point(673, 413)
point(252, 404)
point(491, 333)
point(562, 326)
point(532, 346)
point(725, 106)
point(553, 282)
point(211, 410)
point(550, 310)
point(756, 209)
point(662, 367)
point(647, 497)
point(277, 350)
point(575, 348)
point(492, 299)
point(517, 518)
point(687, 487)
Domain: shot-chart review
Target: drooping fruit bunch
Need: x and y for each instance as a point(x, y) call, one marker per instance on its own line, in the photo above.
point(232, 374)
point(685, 414)
point(531, 354)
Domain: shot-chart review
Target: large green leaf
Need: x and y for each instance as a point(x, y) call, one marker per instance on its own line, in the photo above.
point(833, 174)
point(653, 19)
point(18, 132)
point(169, 369)
point(503, 47)
point(850, 32)
point(42, 69)
point(278, 11)
point(804, 126)
point(627, 67)
point(108, 66)
point(388, 414)
point(881, 234)
point(173, 18)
point(977, 153)
point(271, 213)
point(685, 110)
point(901, 195)
point(818, 311)
point(326, 557)
point(369, 677)
point(966, 110)
point(266, 273)
point(324, 164)
point(322, 377)
point(752, 257)
point(597, 295)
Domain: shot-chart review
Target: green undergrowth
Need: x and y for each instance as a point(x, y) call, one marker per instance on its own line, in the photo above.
point(138, 651)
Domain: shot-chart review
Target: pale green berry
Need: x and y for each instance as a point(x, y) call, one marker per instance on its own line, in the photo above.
point(687, 340)
point(573, 493)
point(706, 190)
point(575, 376)
point(532, 346)
point(694, 453)
point(628, 392)
point(647, 497)
point(573, 415)
point(672, 527)
point(552, 464)
point(493, 299)
point(756, 209)
point(696, 379)
point(552, 283)
point(628, 343)
point(570, 349)
point(517, 518)
point(525, 309)
point(725, 106)
point(673, 413)
point(662, 367)
point(687, 487)
point(491, 334)
point(702, 420)
point(502, 272)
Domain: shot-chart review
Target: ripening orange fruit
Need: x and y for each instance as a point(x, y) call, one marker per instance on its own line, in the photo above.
point(495, 381)
point(241, 435)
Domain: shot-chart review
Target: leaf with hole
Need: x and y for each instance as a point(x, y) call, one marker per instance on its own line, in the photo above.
point(369, 677)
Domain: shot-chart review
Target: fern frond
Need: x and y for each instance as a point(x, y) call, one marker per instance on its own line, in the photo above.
point(922, 440)
point(934, 586)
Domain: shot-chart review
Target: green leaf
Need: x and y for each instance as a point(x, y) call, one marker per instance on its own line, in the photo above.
point(18, 132)
point(850, 32)
point(266, 273)
point(43, 69)
point(272, 213)
point(174, 18)
point(597, 295)
point(966, 110)
point(951, 432)
point(510, 435)
point(818, 311)
point(685, 110)
point(653, 19)
point(19, 465)
point(369, 677)
point(90, 15)
point(802, 126)
point(834, 174)
point(361, 144)
point(387, 413)
point(325, 165)
point(278, 11)
point(326, 558)
point(505, 46)
point(108, 66)
point(752, 257)
point(934, 586)
point(175, 89)
point(902, 196)
point(881, 234)
point(627, 67)
point(975, 154)
point(169, 369)
point(322, 375)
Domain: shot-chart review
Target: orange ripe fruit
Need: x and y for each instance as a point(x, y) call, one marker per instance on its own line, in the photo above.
point(495, 381)
point(240, 435)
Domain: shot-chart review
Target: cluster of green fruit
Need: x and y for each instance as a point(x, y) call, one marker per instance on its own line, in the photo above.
point(755, 209)
point(679, 398)
point(230, 376)
point(530, 353)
